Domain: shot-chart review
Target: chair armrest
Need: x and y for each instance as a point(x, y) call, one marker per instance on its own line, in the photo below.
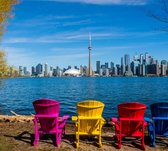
point(103, 120)
point(115, 120)
point(46, 116)
point(160, 118)
point(131, 119)
point(148, 120)
point(65, 117)
point(74, 118)
point(90, 118)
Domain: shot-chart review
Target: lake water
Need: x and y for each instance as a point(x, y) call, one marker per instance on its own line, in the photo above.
point(17, 94)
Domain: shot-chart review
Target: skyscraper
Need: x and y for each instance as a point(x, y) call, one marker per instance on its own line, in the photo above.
point(39, 69)
point(133, 67)
point(136, 57)
point(112, 68)
point(33, 71)
point(163, 70)
point(20, 71)
point(107, 72)
point(46, 69)
point(163, 67)
point(127, 62)
point(164, 62)
point(118, 69)
point(141, 59)
point(81, 70)
point(98, 66)
point(147, 58)
point(143, 69)
point(122, 66)
point(112, 65)
point(90, 64)
point(157, 68)
point(25, 70)
point(106, 64)
point(127, 59)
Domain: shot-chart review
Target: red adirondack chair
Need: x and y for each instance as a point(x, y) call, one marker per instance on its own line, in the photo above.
point(47, 115)
point(130, 122)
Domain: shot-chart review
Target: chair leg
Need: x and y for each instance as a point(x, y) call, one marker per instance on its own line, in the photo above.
point(99, 137)
point(77, 133)
point(119, 141)
point(143, 144)
point(36, 139)
point(36, 133)
point(153, 141)
point(77, 140)
point(151, 130)
point(58, 137)
point(100, 143)
point(143, 136)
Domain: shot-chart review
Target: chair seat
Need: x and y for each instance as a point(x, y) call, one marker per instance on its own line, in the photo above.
point(86, 133)
point(53, 131)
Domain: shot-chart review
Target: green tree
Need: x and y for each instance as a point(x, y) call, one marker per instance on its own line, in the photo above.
point(3, 65)
point(5, 70)
point(5, 13)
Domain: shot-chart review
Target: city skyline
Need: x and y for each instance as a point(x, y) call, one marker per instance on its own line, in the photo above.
point(56, 32)
point(139, 65)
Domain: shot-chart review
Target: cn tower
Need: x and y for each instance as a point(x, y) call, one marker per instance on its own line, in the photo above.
point(90, 64)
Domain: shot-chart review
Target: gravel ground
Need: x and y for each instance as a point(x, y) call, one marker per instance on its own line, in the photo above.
point(19, 136)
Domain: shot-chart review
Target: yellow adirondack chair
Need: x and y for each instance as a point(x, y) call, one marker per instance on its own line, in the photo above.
point(89, 120)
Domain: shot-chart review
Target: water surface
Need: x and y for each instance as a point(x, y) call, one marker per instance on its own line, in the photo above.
point(17, 94)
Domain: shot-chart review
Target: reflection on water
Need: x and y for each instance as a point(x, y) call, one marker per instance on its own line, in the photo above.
point(90, 87)
point(1, 83)
point(17, 94)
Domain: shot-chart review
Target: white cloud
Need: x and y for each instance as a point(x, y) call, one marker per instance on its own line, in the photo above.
point(104, 2)
point(52, 20)
point(58, 38)
point(17, 40)
point(77, 36)
point(68, 57)
point(75, 23)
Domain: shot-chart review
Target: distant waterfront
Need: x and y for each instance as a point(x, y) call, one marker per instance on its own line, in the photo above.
point(142, 65)
point(17, 94)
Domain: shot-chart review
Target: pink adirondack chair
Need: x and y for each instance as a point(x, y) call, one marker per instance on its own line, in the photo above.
point(130, 122)
point(47, 117)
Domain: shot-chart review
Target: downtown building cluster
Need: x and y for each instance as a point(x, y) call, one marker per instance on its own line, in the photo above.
point(44, 70)
point(140, 65)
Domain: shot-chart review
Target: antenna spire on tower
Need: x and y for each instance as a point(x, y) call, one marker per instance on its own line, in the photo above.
point(90, 49)
point(90, 41)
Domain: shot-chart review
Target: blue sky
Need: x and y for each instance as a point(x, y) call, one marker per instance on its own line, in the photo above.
point(56, 32)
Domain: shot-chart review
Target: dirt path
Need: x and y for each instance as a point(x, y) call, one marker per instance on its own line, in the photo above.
point(19, 137)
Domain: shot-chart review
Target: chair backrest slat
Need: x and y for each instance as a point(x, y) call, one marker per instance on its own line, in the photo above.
point(89, 108)
point(47, 107)
point(131, 110)
point(160, 110)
